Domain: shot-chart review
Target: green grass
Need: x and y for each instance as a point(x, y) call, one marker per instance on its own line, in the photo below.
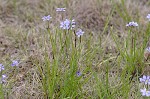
point(110, 60)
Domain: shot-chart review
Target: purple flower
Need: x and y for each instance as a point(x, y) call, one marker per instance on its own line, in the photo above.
point(1, 67)
point(67, 24)
point(3, 78)
point(15, 63)
point(78, 73)
point(148, 49)
point(145, 92)
point(46, 18)
point(60, 9)
point(145, 80)
point(147, 53)
point(134, 24)
point(148, 17)
point(79, 32)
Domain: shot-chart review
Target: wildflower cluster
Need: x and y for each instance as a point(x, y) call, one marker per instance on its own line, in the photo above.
point(4, 76)
point(146, 81)
point(66, 24)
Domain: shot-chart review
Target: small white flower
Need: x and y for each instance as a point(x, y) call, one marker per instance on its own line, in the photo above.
point(46, 18)
point(148, 17)
point(79, 32)
point(134, 24)
point(60, 9)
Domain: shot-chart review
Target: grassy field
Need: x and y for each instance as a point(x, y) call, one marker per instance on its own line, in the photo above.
point(41, 60)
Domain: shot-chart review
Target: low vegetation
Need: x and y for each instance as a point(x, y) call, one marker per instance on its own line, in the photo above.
point(74, 49)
